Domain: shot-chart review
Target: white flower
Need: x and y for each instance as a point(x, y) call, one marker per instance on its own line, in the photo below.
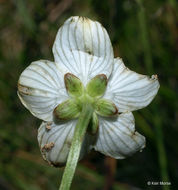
point(82, 49)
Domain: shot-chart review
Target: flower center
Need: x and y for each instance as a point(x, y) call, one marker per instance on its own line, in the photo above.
point(92, 94)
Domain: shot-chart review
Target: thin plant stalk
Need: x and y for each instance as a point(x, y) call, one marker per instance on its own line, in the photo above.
point(74, 152)
point(173, 3)
point(161, 151)
point(145, 37)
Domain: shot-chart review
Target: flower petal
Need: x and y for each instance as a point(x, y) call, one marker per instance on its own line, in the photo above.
point(41, 88)
point(83, 48)
point(117, 138)
point(129, 90)
point(55, 142)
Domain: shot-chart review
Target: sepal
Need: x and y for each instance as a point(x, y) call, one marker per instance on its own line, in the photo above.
point(97, 86)
point(93, 124)
point(73, 85)
point(105, 108)
point(66, 111)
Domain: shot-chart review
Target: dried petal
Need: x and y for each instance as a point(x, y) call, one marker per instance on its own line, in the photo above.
point(55, 143)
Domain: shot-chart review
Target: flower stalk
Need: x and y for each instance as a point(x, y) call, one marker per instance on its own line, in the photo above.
point(77, 140)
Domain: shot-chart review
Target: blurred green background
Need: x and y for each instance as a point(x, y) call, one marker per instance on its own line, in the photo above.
point(145, 35)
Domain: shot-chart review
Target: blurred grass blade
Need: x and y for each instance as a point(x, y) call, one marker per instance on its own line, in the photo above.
point(161, 151)
point(145, 37)
point(149, 65)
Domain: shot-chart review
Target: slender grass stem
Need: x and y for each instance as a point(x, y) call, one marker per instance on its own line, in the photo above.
point(145, 37)
point(74, 152)
point(149, 66)
point(173, 3)
point(161, 151)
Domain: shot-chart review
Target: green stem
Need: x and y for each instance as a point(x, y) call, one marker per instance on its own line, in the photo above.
point(145, 37)
point(161, 151)
point(74, 152)
point(149, 66)
point(172, 3)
